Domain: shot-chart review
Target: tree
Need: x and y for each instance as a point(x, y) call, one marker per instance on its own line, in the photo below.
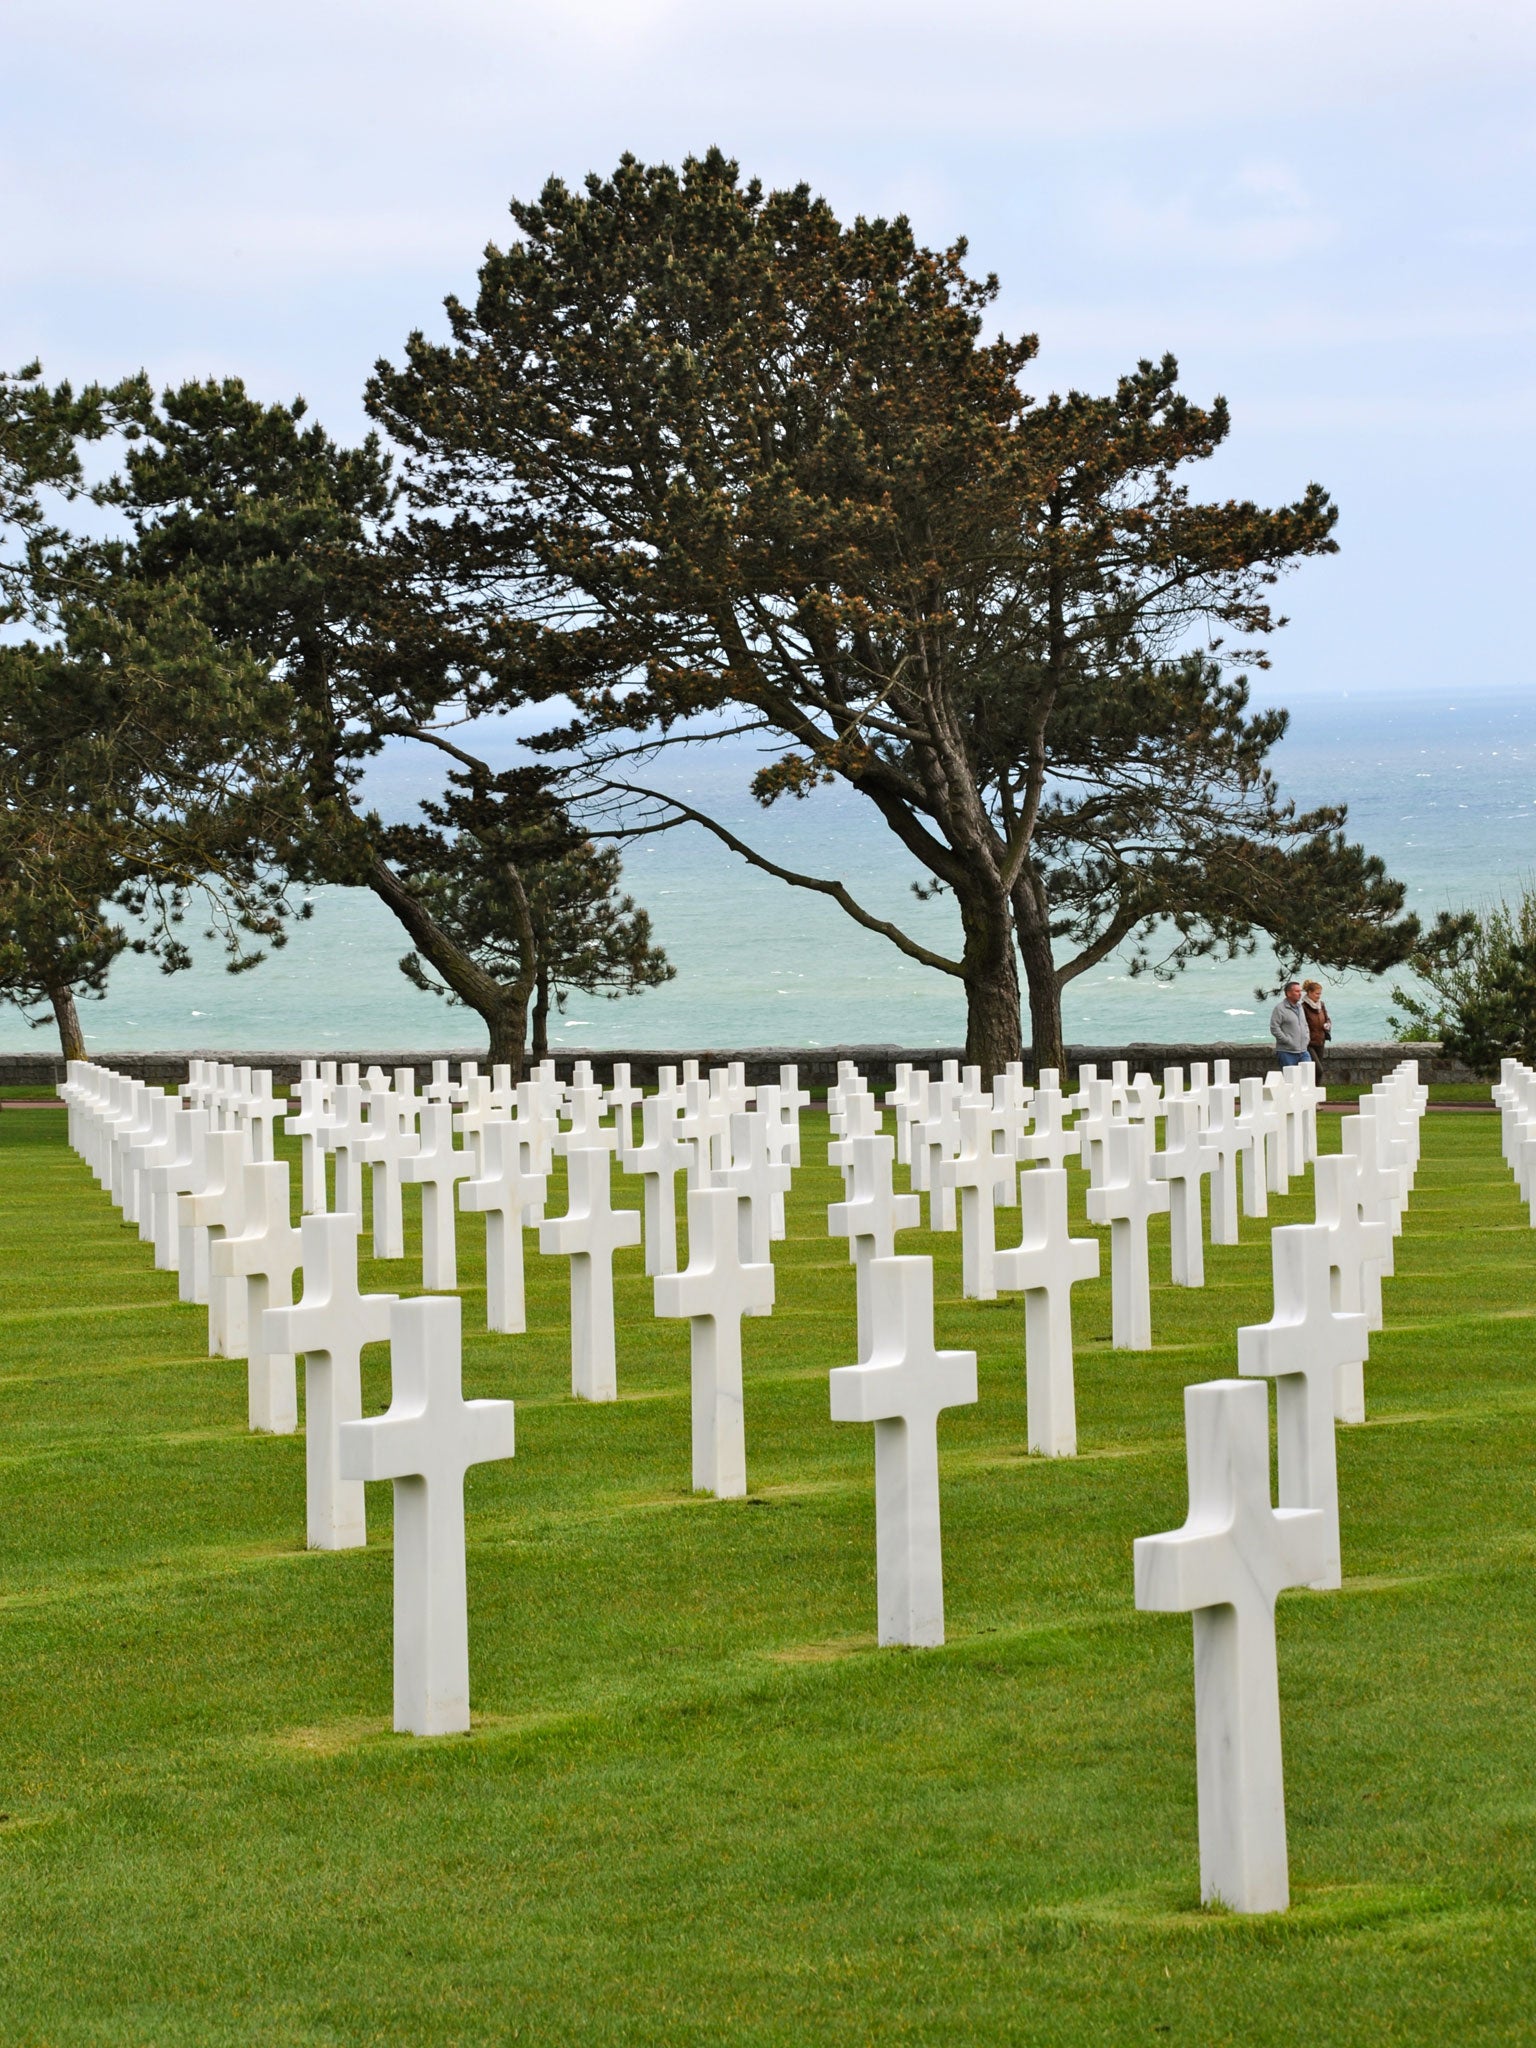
point(111, 795)
point(284, 541)
point(702, 460)
point(1480, 973)
point(579, 932)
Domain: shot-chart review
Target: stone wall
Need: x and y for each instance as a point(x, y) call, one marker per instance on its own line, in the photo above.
point(1363, 1063)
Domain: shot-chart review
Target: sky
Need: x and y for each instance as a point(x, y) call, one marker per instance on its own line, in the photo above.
point(1324, 211)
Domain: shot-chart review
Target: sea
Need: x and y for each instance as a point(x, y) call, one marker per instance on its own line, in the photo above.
point(1441, 784)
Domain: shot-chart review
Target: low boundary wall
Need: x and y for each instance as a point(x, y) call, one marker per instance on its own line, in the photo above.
point(1362, 1063)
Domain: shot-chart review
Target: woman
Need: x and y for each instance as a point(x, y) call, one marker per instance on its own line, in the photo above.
point(1319, 1023)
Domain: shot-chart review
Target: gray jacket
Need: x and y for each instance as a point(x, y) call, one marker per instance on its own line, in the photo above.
point(1288, 1027)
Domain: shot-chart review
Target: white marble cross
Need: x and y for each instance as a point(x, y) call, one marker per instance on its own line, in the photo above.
point(859, 1118)
point(587, 1127)
point(1092, 1129)
point(705, 1123)
point(506, 1188)
point(140, 1151)
point(779, 1140)
point(622, 1098)
point(469, 1120)
point(663, 1153)
point(425, 1444)
point(265, 1256)
point(1309, 1349)
point(260, 1110)
point(758, 1178)
point(1184, 1165)
point(174, 1177)
point(436, 1167)
point(869, 1218)
point(1259, 1123)
point(1225, 1140)
point(1234, 1555)
point(1383, 1177)
point(305, 1123)
point(976, 1175)
point(1129, 1198)
point(346, 1133)
point(589, 1234)
point(1045, 1267)
point(1359, 1250)
point(392, 1123)
point(899, 1099)
point(939, 1137)
point(1049, 1143)
point(329, 1327)
point(901, 1389)
point(217, 1210)
point(1280, 1103)
point(715, 1290)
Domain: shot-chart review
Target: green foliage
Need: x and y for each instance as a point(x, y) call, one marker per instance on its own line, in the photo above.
point(699, 457)
point(504, 872)
point(1480, 975)
point(128, 781)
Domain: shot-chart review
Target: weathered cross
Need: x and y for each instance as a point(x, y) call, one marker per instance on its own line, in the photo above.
point(330, 1327)
point(1304, 1348)
point(425, 1444)
point(1234, 1555)
point(715, 1290)
point(589, 1234)
point(901, 1389)
point(1044, 1267)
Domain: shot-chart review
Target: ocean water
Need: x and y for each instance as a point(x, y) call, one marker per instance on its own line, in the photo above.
point(1443, 786)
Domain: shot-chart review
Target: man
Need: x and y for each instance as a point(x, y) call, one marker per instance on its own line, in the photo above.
point(1288, 1028)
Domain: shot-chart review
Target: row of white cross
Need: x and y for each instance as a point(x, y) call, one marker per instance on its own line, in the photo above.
point(1514, 1095)
point(737, 1153)
point(192, 1176)
point(1236, 1552)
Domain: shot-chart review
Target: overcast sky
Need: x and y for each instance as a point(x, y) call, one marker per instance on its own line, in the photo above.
point(1325, 211)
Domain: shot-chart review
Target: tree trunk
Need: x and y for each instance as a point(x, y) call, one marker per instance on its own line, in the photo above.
point(503, 1010)
point(541, 1015)
point(993, 1036)
point(1045, 1030)
point(71, 1037)
point(1033, 925)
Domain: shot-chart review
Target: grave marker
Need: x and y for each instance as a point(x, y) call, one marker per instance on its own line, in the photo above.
point(425, 1445)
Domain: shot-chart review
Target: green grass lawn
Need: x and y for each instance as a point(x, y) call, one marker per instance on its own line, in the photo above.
point(698, 1805)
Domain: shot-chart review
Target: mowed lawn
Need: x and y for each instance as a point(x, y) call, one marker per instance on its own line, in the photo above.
point(698, 1805)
